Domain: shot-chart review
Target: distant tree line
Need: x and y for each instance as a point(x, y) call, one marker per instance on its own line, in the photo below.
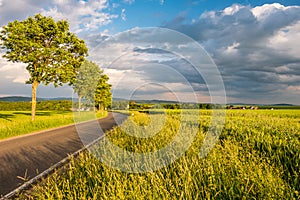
point(61, 105)
point(135, 106)
point(131, 105)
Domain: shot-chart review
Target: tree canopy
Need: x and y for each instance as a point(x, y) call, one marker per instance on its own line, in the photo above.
point(86, 81)
point(103, 96)
point(92, 85)
point(52, 53)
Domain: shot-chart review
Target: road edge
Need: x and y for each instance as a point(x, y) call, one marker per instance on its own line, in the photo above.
point(49, 129)
point(29, 184)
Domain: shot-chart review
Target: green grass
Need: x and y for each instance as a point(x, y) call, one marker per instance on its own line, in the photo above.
point(257, 157)
point(14, 123)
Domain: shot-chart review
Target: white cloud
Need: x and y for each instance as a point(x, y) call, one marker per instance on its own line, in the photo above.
point(262, 12)
point(20, 79)
point(208, 15)
point(83, 15)
point(287, 40)
point(89, 15)
point(12, 81)
point(129, 1)
point(232, 9)
point(15, 72)
point(123, 14)
point(232, 48)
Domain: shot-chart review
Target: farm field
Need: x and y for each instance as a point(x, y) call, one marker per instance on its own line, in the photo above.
point(257, 157)
point(14, 123)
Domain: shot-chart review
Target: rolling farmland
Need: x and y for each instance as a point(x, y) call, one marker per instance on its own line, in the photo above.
point(257, 157)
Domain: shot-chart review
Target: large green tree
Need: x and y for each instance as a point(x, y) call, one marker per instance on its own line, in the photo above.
point(103, 96)
point(52, 53)
point(86, 81)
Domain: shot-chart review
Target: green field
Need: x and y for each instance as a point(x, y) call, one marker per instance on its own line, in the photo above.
point(14, 123)
point(257, 157)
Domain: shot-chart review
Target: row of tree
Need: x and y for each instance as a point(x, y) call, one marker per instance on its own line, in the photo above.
point(54, 55)
point(91, 85)
point(57, 105)
point(131, 105)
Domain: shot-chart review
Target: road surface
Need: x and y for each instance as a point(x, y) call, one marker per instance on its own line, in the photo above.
point(31, 154)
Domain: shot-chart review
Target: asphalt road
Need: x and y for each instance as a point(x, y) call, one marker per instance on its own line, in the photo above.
point(31, 154)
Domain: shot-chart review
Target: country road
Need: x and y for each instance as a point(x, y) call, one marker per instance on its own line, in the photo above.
point(32, 154)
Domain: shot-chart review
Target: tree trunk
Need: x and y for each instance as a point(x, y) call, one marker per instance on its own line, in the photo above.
point(33, 99)
point(101, 106)
point(79, 104)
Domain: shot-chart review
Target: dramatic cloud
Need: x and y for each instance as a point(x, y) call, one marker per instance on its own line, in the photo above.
point(83, 16)
point(256, 49)
point(163, 57)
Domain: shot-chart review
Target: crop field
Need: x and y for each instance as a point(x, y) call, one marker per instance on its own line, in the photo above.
point(14, 123)
point(256, 157)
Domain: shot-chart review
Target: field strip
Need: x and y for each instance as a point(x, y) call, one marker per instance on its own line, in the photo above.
point(46, 130)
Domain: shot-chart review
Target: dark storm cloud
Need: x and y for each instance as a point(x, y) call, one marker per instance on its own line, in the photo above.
point(239, 39)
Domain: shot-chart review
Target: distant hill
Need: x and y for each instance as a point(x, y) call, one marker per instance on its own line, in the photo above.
point(146, 101)
point(156, 101)
point(249, 104)
point(15, 99)
point(282, 104)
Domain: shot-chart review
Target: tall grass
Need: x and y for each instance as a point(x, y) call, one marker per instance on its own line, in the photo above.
point(14, 123)
point(257, 157)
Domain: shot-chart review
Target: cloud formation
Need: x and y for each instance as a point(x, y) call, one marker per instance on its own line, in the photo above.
point(159, 56)
point(83, 16)
point(256, 49)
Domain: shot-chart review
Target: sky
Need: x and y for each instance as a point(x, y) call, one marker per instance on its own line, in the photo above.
point(189, 50)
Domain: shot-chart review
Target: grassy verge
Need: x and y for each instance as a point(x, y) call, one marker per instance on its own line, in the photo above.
point(257, 157)
point(14, 123)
